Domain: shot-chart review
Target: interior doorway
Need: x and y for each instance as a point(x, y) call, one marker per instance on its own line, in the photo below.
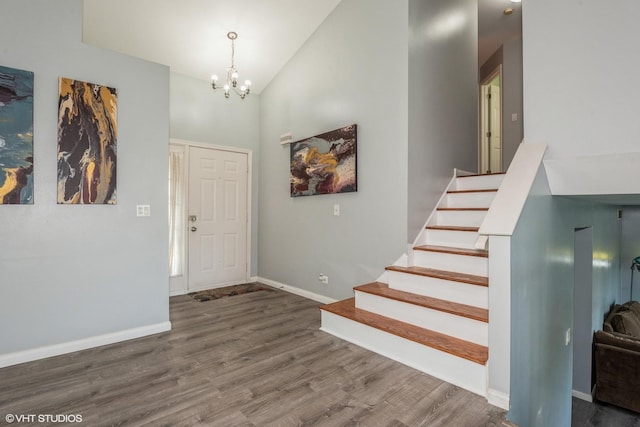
point(582, 313)
point(209, 215)
point(490, 140)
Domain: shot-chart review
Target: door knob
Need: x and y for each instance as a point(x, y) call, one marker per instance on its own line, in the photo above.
point(194, 228)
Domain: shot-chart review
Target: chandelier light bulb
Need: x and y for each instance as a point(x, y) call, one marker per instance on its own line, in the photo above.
point(232, 75)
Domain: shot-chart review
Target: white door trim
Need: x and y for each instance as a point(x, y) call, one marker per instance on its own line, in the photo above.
point(481, 112)
point(249, 153)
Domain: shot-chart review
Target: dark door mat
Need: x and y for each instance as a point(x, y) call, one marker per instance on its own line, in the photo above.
point(228, 291)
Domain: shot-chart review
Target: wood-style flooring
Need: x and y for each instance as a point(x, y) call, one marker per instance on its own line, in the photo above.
point(586, 414)
point(256, 359)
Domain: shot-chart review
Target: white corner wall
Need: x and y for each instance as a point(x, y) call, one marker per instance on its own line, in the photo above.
point(443, 100)
point(74, 276)
point(353, 69)
point(199, 114)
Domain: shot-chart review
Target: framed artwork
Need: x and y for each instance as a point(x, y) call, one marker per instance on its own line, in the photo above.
point(87, 137)
point(325, 163)
point(16, 136)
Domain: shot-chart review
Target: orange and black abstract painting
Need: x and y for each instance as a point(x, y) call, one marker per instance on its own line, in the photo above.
point(16, 136)
point(87, 137)
point(325, 163)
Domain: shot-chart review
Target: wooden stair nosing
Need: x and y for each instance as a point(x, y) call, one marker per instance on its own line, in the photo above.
point(461, 209)
point(452, 228)
point(450, 307)
point(442, 274)
point(487, 190)
point(454, 346)
point(482, 253)
point(481, 174)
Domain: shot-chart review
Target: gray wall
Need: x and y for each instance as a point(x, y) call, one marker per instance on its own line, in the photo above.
point(630, 250)
point(199, 114)
point(443, 100)
point(351, 70)
point(512, 131)
point(69, 272)
point(542, 298)
point(581, 80)
point(509, 55)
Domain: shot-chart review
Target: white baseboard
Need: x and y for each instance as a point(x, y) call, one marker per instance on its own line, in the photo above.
point(498, 398)
point(83, 344)
point(582, 396)
point(292, 289)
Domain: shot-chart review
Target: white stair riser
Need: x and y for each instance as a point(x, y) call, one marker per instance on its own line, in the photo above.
point(459, 218)
point(448, 290)
point(478, 266)
point(449, 324)
point(452, 369)
point(452, 239)
point(482, 182)
point(469, 200)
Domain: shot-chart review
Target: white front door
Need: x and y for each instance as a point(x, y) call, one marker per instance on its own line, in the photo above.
point(217, 218)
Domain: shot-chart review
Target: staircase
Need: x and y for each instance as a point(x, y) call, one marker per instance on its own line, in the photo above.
point(430, 310)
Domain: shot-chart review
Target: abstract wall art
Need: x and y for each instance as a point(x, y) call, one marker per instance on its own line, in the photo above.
point(87, 136)
point(16, 136)
point(325, 163)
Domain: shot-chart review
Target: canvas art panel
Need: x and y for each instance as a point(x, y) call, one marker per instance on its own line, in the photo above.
point(16, 136)
point(87, 139)
point(325, 163)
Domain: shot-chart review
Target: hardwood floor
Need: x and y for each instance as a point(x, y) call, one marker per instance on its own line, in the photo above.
point(586, 414)
point(249, 360)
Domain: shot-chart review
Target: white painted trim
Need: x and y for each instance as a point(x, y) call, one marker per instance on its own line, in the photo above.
point(449, 368)
point(187, 144)
point(583, 396)
point(208, 145)
point(297, 291)
point(82, 344)
point(508, 203)
point(499, 399)
point(602, 174)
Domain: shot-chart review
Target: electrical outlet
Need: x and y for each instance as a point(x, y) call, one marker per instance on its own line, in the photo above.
point(336, 210)
point(322, 278)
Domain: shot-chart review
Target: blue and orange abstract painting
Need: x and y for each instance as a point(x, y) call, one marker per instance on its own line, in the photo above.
point(87, 137)
point(325, 163)
point(16, 136)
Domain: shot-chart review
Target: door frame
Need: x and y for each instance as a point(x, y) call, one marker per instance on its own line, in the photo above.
point(481, 116)
point(188, 144)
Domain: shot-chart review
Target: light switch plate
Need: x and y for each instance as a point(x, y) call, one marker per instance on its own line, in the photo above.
point(143, 210)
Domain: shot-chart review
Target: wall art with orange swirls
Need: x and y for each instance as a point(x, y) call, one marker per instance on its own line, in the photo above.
point(87, 137)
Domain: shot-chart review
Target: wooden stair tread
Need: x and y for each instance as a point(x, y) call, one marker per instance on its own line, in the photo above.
point(482, 253)
point(481, 174)
point(441, 274)
point(462, 209)
point(454, 346)
point(452, 228)
point(488, 190)
point(463, 310)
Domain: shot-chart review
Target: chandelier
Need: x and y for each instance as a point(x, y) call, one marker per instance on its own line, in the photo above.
point(232, 75)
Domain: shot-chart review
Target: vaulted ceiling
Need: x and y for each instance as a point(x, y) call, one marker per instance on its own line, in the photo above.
point(191, 35)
